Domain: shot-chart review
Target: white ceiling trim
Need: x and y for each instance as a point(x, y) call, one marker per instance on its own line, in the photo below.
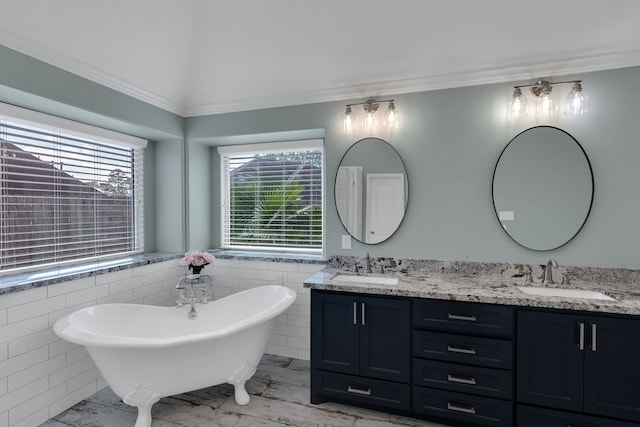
point(535, 68)
point(73, 65)
point(500, 74)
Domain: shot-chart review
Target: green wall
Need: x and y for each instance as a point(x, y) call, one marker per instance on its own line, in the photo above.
point(32, 84)
point(449, 140)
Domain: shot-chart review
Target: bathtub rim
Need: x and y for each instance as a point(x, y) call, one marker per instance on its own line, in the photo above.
point(67, 330)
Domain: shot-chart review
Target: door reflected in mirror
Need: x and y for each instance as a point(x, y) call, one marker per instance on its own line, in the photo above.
point(543, 188)
point(371, 190)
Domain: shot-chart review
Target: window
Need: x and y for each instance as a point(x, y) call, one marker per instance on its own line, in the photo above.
point(272, 196)
point(68, 191)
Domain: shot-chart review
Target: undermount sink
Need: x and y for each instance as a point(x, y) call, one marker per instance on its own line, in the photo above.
point(566, 293)
point(375, 280)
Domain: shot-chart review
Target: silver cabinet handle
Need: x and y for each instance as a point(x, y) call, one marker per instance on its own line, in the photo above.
point(456, 379)
point(460, 350)
point(466, 410)
point(594, 329)
point(366, 392)
point(459, 317)
point(363, 321)
point(581, 339)
point(355, 313)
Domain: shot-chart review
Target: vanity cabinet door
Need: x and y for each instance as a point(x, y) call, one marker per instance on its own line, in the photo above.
point(335, 335)
point(587, 364)
point(385, 338)
point(550, 360)
point(612, 375)
point(361, 335)
point(361, 349)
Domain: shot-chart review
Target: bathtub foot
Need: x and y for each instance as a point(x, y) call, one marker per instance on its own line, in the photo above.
point(144, 416)
point(241, 395)
point(143, 399)
point(239, 378)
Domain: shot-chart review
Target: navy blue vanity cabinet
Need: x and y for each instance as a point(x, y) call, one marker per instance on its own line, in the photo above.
point(360, 349)
point(463, 362)
point(580, 363)
point(531, 416)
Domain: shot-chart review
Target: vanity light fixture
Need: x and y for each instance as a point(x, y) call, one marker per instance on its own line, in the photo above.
point(546, 104)
point(371, 121)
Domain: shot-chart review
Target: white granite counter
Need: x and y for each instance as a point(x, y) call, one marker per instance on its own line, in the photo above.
point(486, 287)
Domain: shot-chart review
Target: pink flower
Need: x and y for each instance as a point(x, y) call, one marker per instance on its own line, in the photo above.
point(196, 258)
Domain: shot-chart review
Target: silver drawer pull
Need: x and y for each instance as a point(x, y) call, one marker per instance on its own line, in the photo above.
point(460, 350)
point(461, 380)
point(458, 317)
point(467, 410)
point(355, 313)
point(358, 391)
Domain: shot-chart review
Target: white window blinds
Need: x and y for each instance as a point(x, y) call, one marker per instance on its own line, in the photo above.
point(272, 196)
point(66, 194)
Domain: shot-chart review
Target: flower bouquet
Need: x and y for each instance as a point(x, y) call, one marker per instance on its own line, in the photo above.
point(196, 260)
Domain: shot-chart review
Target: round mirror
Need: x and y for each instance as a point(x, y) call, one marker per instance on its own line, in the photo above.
point(371, 190)
point(543, 188)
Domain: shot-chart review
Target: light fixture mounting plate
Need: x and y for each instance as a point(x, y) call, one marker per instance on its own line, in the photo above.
point(540, 87)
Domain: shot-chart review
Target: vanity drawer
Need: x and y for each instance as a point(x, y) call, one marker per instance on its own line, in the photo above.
point(364, 390)
point(463, 317)
point(465, 408)
point(463, 378)
point(491, 352)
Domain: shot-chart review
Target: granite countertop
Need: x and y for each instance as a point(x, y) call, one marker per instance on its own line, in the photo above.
point(483, 287)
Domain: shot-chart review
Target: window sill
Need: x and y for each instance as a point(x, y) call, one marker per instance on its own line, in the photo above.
point(36, 279)
point(270, 256)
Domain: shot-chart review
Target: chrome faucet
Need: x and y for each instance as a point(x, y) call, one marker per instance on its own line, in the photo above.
point(195, 292)
point(366, 263)
point(548, 272)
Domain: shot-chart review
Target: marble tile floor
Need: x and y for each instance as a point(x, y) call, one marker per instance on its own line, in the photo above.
point(279, 393)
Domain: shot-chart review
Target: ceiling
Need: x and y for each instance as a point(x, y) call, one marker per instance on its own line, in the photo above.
point(197, 57)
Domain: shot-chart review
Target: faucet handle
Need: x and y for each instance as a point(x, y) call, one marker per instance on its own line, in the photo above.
point(548, 272)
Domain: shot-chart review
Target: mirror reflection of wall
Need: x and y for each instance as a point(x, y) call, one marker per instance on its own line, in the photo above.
point(543, 188)
point(371, 190)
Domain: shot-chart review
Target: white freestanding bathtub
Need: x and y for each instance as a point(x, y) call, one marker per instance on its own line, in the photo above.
point(147, 352)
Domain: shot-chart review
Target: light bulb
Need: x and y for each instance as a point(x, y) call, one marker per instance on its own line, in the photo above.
point(547, 106)
point(577, 101)
point(370, 120)
point(348, 122)
point(370, 107)
point(517, 106)
point(391, 116)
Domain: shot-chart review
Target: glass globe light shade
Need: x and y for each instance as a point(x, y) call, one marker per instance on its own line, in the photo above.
point(577, 101)
point(348, 121)
point(391, 116)
point(517, 106)
point(547, 106)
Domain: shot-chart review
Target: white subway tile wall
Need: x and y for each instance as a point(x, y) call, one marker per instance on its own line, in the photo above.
point(42, 375)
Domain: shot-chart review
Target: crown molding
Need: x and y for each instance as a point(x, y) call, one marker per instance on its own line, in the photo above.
point(85, 70)
point(500, 73)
